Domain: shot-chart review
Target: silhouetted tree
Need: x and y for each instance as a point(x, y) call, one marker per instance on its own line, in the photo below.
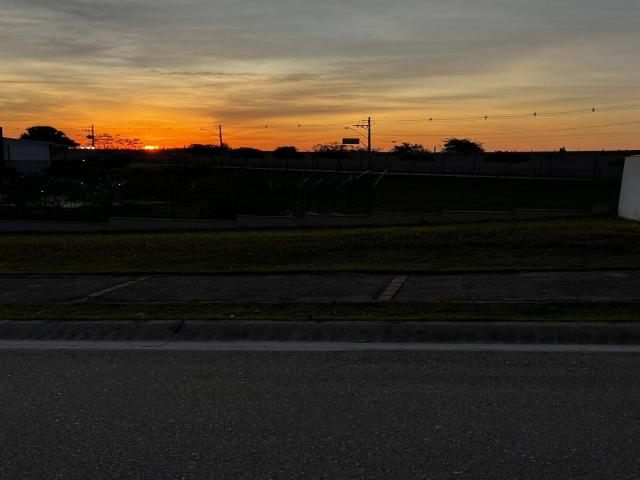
point(462, 146)
point(408, 148)
point(221, 149)
point(48, 134)
point(415, 151)
point(129, 143)
point(247, 152)
point(286, 153)
point(200, 149)
point(331, 150)
point(106, 141)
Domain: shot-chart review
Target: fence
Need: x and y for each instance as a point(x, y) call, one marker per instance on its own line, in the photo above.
point(539, 165)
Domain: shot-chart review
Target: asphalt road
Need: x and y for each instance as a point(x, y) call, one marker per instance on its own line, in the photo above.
point(259, 415)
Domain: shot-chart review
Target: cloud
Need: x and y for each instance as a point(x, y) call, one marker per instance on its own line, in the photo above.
point(249, 60)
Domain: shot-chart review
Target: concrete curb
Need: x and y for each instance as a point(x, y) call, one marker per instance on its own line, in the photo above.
point(624, 333)
point(50, 330)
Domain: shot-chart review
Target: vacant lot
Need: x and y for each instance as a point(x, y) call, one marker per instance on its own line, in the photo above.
point(541, 245)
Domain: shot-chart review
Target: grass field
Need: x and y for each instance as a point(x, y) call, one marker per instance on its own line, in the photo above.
point(582, 244)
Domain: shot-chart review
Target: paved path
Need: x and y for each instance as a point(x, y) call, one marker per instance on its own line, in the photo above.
point(558, 286)
point(525, 286)
point(351, 415)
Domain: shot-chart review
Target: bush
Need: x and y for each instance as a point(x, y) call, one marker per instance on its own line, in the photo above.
point(507, 157)
point(290, 153)
point(331, 150)
point(247, 152)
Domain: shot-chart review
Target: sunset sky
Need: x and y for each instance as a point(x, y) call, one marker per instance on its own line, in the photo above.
point(162, 70)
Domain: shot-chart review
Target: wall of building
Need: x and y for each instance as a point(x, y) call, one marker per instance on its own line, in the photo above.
point(630, 192)
point(26, 156)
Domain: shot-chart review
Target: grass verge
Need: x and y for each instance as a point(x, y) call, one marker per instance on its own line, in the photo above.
point(395, 311)
point(576, 244)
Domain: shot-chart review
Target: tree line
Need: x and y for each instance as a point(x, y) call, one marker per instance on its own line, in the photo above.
point(453, 146)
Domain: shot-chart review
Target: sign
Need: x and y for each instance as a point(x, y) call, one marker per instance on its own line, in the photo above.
point(351, 141)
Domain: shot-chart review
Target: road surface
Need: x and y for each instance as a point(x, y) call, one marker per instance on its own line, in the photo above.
point(366, 415)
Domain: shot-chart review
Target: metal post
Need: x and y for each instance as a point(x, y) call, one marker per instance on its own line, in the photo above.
point(369, 144)
point(370, 196)
point(1, 147)
point(221, 145)
point(366, 124)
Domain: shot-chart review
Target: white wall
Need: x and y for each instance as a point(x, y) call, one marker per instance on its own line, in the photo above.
point(26, 156)
point(630, 194)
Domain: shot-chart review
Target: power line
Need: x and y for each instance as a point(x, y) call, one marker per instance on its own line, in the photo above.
point(534, 115)
point(429, 119)
point(435, 119)
point(479, 134)
point(267, 126)
point(290, 128)
point(91, 131)
point(531, 136)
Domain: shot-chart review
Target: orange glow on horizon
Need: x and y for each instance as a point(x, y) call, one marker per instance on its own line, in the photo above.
point(160, 131)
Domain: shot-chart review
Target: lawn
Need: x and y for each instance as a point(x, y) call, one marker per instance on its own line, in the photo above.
point(576, 244)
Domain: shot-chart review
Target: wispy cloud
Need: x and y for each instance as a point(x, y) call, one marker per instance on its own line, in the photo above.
point(256, 60)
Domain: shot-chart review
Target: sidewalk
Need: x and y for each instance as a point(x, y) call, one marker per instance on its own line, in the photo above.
point(340, 288)
point(580, 308)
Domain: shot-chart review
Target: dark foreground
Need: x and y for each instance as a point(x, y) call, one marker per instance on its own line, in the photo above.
point(210, 415)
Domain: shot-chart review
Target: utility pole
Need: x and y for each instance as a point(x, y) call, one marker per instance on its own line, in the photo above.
point(369, 143)
point(92, 136)
point(221, 147)
point(370, 200)
point(1, 147)
point(366, 124)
